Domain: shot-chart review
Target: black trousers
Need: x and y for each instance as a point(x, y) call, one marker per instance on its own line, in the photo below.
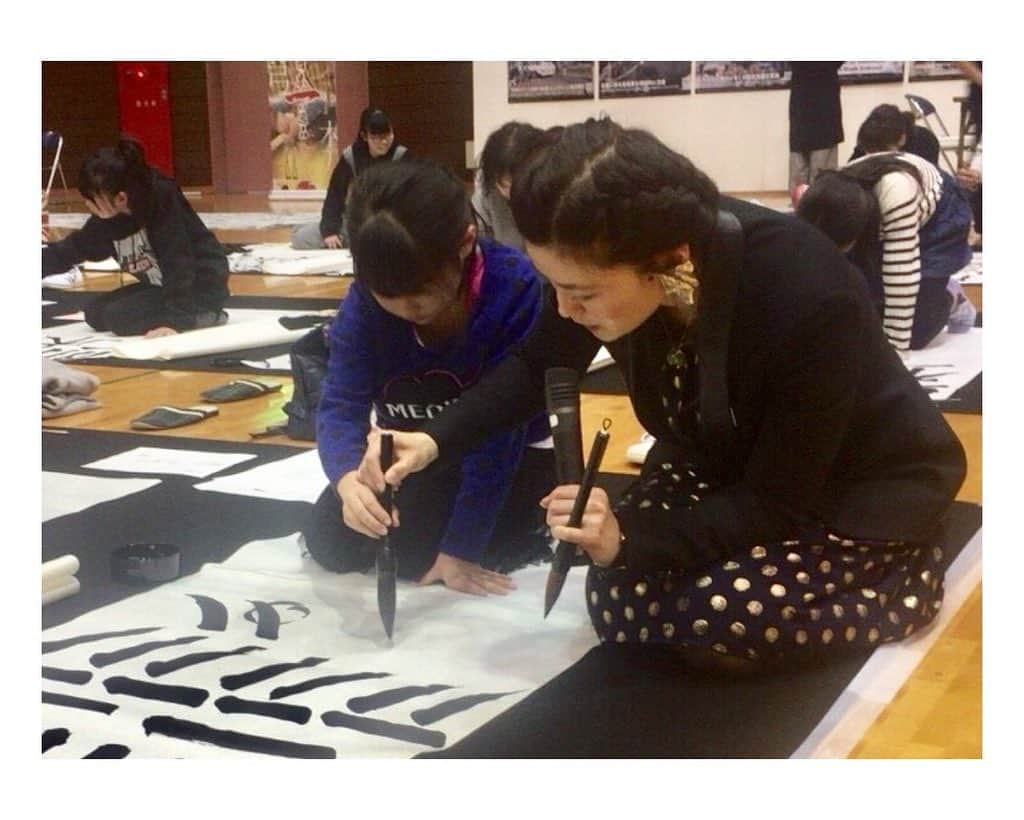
point(138, 308)
point(931, 313)
point(425, 501)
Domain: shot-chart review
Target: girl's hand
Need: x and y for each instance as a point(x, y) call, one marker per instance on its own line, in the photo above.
point(465, 576)
point(360, 508)
point(413, 452)
point(333, 241)
point(598, 534)
point(157, 332)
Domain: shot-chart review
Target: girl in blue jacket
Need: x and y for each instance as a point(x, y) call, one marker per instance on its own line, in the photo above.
point(433, 307)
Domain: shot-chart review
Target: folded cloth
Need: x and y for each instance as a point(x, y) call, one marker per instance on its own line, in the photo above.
point(165, 417)
point(66, 390)
point(239, 389)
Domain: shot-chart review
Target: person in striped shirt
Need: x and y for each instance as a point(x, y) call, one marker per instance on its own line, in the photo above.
point(905, 223)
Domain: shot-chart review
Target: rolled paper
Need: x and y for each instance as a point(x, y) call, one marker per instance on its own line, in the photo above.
point(70, 588)
point(55, 581)
point(64, 566)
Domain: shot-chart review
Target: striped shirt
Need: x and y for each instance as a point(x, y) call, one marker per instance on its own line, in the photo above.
point(905, 207)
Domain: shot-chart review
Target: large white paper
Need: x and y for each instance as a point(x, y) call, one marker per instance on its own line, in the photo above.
point(66, 493)
point(270, 606)
point(948, 363)
point(296, 478)
point(281, 259)
point(232, 220)
point(196, 463)
point(245, 328)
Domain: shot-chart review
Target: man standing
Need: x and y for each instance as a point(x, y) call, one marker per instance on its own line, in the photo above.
point(815, 122)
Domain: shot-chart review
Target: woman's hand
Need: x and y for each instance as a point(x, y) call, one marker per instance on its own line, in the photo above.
point(598, 534)
point(465, 576)
point(157, 332)
point(360, 509)
point(333, 241)
point(413, 452)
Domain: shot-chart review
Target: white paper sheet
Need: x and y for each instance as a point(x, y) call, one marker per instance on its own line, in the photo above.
point(66, 493)
point(233, 220)
point(948, 363)
point(109, 264)
point(601, 360)
point(196, 463)
point(446, 645)
point(296, 478)
point(280, 259)
point(245, 328)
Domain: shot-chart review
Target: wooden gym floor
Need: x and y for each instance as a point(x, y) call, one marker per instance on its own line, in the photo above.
point(936, 714)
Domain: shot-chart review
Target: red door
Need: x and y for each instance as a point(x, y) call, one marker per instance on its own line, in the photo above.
point(145, 108)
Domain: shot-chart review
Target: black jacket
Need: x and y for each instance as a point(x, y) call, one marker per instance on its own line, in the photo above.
point(169, 247)
point(351, 164)
point(830, 427)
point(815, 114)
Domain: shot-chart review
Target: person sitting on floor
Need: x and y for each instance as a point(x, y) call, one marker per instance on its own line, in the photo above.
point(889, 129)
point(374, 144)
point(142, 219)
point(431, 310)
point(790, 506)
point(905, 223)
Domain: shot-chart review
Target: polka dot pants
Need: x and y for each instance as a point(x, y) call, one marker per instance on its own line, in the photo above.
point(790, 599)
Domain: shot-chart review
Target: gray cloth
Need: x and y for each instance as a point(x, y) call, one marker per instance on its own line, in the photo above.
point(66, 390)
point(496, 216)
point(307, 237)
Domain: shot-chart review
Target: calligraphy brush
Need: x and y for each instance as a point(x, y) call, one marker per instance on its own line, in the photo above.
point(386, 565)
point(562, 560)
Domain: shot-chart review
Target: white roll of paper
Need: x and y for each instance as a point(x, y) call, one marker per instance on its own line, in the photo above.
point(64, 566)
point(71, 587)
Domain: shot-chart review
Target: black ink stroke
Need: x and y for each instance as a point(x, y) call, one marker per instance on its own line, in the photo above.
point(54, 737)
point(389, 697)
point(56, 646)
point(424, 717)
point(108, 751)
point(268, 622)
point(76, 676)
point(229, 704)
point(214, 613)
point(55, 699)
point(182, 695)
point(328, 680)
point(187, 730)
point(395, 731)
point(157, 668)
point(233, 682)
point(101, 659)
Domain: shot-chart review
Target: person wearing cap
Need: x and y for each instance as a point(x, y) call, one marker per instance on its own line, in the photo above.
point(375, 143)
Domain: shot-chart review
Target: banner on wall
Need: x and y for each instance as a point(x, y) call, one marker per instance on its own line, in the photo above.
point(642, 78)
point(935, 70)
point(543, 80)
point(303, 134)
point(864, 71)
point(742, 76)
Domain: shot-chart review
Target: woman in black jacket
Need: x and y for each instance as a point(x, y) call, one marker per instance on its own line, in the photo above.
point(143, 220)
point(800, 472)
point(375, 143)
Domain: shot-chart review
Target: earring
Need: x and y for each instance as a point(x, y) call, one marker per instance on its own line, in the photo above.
point(681, 285)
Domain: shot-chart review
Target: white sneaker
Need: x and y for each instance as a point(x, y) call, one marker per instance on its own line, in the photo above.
point(637, 453)
point(68, 279)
